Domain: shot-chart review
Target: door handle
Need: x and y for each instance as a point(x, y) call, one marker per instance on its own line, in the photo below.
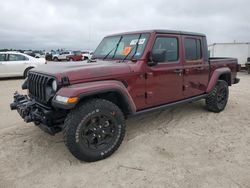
point(178, 71)
point(200, 68)
point(150, 74)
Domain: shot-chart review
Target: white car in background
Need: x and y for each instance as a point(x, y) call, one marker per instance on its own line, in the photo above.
point(14, 64)
point(61, 56)
point(87, 55)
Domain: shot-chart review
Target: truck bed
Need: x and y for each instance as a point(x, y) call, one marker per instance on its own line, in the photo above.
point(220, 62)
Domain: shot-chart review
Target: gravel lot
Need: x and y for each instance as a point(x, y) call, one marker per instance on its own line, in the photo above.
point(184, 146)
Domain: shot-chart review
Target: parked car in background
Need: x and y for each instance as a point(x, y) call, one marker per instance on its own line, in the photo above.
point(75, 56)
point(39, 54)
point(30, 53)
point(49, 55)
point(14, 64)
point(86, 55)
point(61, 56)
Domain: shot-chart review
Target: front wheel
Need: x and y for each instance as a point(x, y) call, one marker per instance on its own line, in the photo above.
point(94, 130)
point(217, 99)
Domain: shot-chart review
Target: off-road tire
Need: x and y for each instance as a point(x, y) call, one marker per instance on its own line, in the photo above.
point(25, 73)
point(214, 102)
point(77, 121)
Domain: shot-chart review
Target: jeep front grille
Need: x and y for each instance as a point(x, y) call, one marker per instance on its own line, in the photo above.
point(37, 84)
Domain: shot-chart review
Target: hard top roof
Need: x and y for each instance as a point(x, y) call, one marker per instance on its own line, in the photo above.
point(161, 31)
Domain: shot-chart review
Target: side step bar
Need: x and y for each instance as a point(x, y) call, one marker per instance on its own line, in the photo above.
point(169, 105)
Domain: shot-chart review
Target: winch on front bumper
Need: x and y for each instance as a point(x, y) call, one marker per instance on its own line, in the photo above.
point(48, 119)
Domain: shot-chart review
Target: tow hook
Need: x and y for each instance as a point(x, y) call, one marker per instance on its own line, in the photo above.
point(17, 99)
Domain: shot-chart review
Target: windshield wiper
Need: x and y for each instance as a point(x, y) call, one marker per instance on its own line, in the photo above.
point(115, 48)
point(135, 47)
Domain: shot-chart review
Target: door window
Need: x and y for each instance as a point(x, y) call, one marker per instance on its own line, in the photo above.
point(192, 49)
point(170, 44)
point(17, 57)
point(2, 57)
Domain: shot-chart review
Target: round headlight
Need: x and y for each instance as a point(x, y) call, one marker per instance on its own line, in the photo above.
point(54, 85)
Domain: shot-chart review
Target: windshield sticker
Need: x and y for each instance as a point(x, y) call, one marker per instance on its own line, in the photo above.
point(134, 41)
point(126, 50)
point(141, 41)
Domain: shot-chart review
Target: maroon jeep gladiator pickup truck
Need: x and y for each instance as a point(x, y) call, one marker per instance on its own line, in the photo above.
point(129, 74)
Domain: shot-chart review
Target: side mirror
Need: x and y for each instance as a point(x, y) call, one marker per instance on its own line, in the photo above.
point(156, 56)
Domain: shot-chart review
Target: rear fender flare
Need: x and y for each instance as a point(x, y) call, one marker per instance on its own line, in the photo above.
point(215, 77)
point(93, 88)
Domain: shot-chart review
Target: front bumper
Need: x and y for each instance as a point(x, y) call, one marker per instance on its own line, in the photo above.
point(31, 111)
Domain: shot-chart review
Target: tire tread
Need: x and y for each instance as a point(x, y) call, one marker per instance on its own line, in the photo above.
point(211, 101)
point(75, 116)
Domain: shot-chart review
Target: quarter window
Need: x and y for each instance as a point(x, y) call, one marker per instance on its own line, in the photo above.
point(170, 44)
point(17, 57)
point(192, 49)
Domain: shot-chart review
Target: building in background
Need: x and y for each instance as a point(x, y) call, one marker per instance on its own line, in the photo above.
point(241, 51)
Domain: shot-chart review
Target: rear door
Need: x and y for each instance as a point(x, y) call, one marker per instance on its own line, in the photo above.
point(196, 66)
point(164, 81)
point(16, 64)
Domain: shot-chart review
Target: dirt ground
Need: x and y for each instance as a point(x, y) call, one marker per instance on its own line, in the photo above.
point(185, 146)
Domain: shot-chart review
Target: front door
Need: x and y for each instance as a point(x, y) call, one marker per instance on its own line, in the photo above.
point(196, 67)
point(164, 81)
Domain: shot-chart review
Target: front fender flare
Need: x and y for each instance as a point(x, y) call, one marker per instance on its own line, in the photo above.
point(215, 76)
point(93, 88)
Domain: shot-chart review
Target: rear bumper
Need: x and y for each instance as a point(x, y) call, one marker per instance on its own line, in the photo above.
point(30, 111)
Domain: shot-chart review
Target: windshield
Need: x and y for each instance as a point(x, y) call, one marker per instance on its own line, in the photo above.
point(118, 47)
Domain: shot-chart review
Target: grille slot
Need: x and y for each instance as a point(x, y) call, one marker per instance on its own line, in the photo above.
point(37, 86)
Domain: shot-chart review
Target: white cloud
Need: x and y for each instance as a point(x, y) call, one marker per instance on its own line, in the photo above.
point(78, 24)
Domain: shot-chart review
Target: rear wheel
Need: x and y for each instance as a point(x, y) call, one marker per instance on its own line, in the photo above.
point(55, 59)
point(216, 101)
point(94, 130)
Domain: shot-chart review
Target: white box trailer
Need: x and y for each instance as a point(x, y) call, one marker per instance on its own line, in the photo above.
point(241, 51)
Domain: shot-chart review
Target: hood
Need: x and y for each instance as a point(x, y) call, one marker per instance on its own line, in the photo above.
point(79, 71)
